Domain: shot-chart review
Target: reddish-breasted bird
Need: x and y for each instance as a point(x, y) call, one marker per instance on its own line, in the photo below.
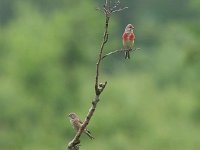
point(128, 38)
point(77, 123)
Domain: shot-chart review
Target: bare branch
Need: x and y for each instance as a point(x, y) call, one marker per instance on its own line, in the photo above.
point(104, 41)
point(73, 145)
point(116, 51)
point(120, 50)
point(115, 7)
point(120, 9)
point(99, 87)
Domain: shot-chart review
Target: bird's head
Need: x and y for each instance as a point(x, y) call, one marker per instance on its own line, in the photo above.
point(72, 115)
point(129, 28)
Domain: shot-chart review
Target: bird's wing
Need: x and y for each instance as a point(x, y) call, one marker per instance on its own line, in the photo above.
point(80, 121)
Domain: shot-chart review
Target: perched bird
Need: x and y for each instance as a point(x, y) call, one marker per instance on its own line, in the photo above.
point(128, 38)
point(77, 123)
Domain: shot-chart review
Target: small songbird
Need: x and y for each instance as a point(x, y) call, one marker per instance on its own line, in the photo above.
point(128, 38)
point(77, 123)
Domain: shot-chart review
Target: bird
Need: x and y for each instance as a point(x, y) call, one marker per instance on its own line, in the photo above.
point(128, 38)
point(77, 123)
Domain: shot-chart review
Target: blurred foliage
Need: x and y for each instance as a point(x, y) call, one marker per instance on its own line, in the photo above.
point(48, 51)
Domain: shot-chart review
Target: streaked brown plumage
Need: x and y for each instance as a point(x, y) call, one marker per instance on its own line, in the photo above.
point(77, 123)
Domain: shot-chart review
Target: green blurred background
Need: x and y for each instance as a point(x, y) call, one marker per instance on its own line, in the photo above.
point(48, 51)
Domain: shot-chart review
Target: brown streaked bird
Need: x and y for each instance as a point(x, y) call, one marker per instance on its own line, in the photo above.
point(77, 123)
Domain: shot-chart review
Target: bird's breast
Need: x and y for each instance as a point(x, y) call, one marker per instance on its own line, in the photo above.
point(128, 36)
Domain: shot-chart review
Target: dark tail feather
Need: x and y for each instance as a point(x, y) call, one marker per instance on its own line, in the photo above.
point(127, 55)
point(89, 134)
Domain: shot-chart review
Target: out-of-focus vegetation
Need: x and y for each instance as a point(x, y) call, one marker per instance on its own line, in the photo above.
point(48, 51)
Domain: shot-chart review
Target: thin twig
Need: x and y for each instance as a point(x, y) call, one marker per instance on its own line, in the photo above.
point(119, 50)
point(120, 9)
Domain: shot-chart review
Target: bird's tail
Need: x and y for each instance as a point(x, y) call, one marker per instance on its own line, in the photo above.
point(127, 55)
point(89, 134)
